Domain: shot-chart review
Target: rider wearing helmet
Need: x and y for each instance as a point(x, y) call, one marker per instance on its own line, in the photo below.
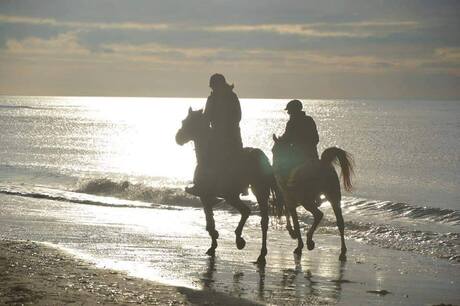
point(223, 111)
point(301, 131)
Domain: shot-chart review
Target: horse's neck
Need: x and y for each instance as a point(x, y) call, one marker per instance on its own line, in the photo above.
point(286, 165)
point(202, 146)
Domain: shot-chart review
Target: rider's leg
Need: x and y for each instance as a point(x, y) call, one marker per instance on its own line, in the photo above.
point(202, 183)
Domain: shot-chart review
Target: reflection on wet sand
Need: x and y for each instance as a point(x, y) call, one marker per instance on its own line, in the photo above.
point(261, 287)
point(208, 276)
point(290, 285)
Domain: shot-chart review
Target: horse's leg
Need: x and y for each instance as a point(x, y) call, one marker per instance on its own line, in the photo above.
point(236, 202)
point(262, 199)
point(295, 220)
point(208, 203)
point(336, 206)
point(317, 216)
point(289, 225)
point(291, 231)
point(287, 214)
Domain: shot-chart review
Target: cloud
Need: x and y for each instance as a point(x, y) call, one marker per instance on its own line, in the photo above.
point(84, 25)
point(255, 39)
point(64, 44)
point(68, 45)
point(448, 54)
point(350, 29)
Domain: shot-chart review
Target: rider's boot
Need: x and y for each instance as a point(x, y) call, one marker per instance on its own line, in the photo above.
point(193, 190)
point(200, 181)
point(318, 201)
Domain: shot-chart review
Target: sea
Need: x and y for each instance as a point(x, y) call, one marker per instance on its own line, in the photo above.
point(110, 153)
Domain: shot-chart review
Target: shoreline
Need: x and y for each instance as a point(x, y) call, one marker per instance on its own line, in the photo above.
point(32, 273)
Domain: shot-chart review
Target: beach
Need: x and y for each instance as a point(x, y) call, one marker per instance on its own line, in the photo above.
point(35, 274)
point(139, 243)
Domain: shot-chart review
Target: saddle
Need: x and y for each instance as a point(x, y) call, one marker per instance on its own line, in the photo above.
point(222, 175)
point(304, 178)
point(304, 173)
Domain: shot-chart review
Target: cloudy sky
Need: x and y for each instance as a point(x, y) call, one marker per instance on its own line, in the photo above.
point(269, 48)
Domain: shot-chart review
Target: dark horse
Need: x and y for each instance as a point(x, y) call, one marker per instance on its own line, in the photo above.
point(257, 173)
point(302, 185)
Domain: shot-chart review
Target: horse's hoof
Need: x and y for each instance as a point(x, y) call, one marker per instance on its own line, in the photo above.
point(240, 243)
point(211, 252)
point(343, 257)
point(261, 261)
point(310, 245)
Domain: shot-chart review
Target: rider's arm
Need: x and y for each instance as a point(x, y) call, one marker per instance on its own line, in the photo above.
point(313, 131)
point(208, 109)
point(237, 108)
point(288, 133)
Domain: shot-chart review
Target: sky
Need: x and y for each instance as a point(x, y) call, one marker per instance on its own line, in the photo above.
point(332, 49)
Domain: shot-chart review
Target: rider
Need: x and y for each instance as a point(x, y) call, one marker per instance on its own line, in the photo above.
point(301, 131)
point(302, 134)
point(223, 111)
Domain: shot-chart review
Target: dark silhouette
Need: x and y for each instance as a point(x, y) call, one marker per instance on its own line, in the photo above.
point(223, 111)
point(223, 114)
point(302, 135)
point(301, 131)
point(302, 185)
point(254, 170)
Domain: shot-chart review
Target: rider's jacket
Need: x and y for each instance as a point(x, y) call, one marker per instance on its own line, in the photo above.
point(221, 172)
point(223, 111)
point(302, 133)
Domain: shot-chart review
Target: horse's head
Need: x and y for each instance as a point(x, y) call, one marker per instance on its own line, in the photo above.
point(192, 127)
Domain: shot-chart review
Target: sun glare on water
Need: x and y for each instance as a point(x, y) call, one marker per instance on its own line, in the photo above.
point(139, 136)
point(136, 136)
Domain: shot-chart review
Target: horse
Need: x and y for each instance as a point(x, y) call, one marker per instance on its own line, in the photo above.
point(258, 174)
point(303, 183)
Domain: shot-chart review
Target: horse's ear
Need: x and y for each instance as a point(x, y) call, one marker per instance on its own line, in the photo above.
point(190, 110)
point(275, 139)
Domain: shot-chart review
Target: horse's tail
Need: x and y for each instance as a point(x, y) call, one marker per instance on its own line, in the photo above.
point(268, 180)
point(332, 155)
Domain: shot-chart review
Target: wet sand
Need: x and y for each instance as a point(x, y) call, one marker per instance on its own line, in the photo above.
point(34, 274)
point(168, 246)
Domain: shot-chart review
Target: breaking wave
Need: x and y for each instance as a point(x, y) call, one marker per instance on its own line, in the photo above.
point(72, 197)
point(442, 215)
point(138, 192)
point(176, 196)
point(107, 192)
point(430, 243)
